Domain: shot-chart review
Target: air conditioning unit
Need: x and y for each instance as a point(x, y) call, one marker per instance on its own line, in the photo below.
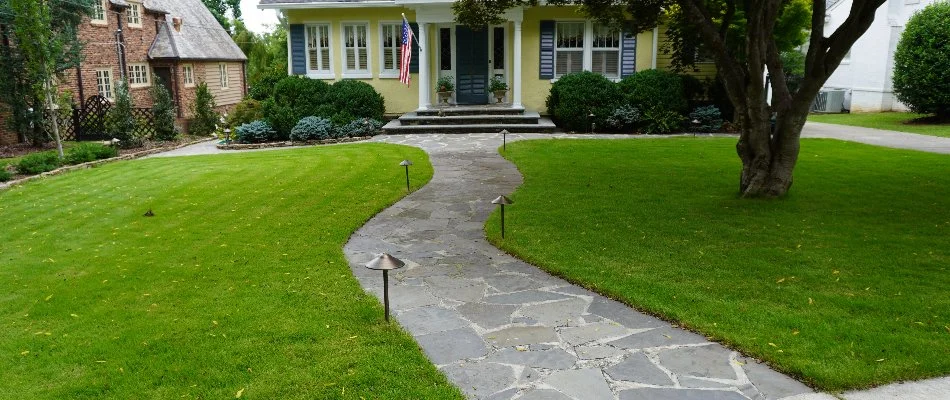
point(829, 101)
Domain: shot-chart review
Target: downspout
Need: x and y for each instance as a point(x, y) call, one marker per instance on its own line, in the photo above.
point(656, 41)
point(120, 48)
point(82, 95)
point(244, 78)
point(176, 88)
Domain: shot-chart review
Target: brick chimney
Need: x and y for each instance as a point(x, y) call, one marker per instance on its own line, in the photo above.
point(177, 22)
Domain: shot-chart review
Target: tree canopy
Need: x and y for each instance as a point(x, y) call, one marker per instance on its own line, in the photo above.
point(220, 9)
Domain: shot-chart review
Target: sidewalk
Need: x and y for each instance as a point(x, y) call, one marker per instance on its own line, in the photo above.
point(877, 137)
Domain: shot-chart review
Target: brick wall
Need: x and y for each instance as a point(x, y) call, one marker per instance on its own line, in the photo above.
point(7, 136)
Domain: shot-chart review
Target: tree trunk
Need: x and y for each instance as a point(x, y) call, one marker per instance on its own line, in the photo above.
point(768, 158)
point(55, 112)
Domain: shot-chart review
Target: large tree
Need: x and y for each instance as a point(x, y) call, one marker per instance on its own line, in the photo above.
point(768, 155)
point(220, 10)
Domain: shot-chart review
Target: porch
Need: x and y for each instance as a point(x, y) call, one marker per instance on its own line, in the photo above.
point(490, 118)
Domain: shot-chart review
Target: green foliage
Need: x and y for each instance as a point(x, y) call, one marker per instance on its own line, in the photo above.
point(661, 121)
point(357, 99)
point(262, 88)
point(248, 110)
point(87, 151)
point(163, 108)
point(204, 117)
point(295, 98)
point(121, 123)
point(654, 89)
point(38, 163)
point(312, 128)
point(575, 96)
point(793, 64)
point(220, 10)
point(497, 83)
point(922, 62)
point(624, 119)
point(445, 84)
point(706, 119)
point(266, 56)
point(361, 127)
point(5, 175)
point(254, 132)
point(279, 116)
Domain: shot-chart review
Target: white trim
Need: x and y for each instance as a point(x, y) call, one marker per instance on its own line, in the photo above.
point(144, 70)
point(111, 83)
point(516, 79)
point(317, 73)
point(139, 8)
point(388, 73)
point(224, 80)
point(105, 14)
point(356, 73)
point(184, 75)
point(290, 53)
point(656, 41)
point(423, 66)
point(342, 4)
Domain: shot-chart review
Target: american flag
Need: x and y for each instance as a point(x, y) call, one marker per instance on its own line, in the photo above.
point(406, 53)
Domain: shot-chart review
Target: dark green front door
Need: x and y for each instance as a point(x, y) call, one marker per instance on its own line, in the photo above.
point(471, 85)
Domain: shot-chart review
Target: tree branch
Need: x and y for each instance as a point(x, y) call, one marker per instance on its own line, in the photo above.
point(781, 97)
point(727, 18)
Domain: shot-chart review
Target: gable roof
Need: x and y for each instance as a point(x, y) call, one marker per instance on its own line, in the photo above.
point(201, 36)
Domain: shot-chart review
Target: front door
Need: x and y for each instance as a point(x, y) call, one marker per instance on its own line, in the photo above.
point(471, 85)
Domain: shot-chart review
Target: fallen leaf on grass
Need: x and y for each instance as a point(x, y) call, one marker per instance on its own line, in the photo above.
point(810, 301)
point(239, 393)
point(772, 344)
point(48, 297)
point(780, 280)
point(25, 352)
point(879, 360)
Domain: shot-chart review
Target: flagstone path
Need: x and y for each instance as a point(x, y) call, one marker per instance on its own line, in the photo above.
point(500, 328)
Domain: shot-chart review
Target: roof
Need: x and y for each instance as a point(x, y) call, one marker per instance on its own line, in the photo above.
point(263, 2)
point(201, 36)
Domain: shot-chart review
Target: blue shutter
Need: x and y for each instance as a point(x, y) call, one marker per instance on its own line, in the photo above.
point(547, 50)
point(298, 49)
point(414, 62)
point(628, 54)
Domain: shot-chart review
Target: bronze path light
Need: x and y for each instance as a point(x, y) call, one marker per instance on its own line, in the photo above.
point(407, 163)
point(504, 140)
point(385, 262)
point(502, 201)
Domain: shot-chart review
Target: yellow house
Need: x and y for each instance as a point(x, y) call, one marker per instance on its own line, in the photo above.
point(360, 39)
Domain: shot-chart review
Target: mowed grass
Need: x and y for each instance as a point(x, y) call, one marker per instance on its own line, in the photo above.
point(237, 286)
point(843, 284)
point(893, 121)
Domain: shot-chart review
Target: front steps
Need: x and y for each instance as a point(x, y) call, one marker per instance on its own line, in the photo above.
point(470, 119)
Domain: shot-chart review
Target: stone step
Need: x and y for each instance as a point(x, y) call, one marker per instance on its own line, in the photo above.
point(544, 125)
point(472, 110)
point(529, 117)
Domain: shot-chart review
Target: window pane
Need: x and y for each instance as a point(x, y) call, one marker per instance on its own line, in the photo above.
point(568, 62)
point(350, 59)
point(570, 35)
point(498, 56)
point(606, 62)
point(445, 49)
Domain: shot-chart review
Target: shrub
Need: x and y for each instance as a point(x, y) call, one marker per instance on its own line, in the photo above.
point(86, 152)
point(694, 90)
point(247, 111)
point(575, 96)
point(660, 121)
point(655, 89)
point(254, 132)
point(719, 98)
point(5, 175)
point(295, 98)
point(280, 117)
point(625, 118)
point(497, 83)
point(445, 84)
point(163, 108)
point(263, 88)
point(357, 99)
point(37, 163)
point(706, 119)
point(922, 62)
point(360, 127)
point(312, 128)
point(121, 123)
point(205, 118)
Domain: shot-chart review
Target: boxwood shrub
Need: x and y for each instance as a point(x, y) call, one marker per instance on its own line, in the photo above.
point(312, 128)
point(575, 96)
point(922, 62)
point(356, 99)
point(4, 174)
point(87, 152)
point(38, 163)
point(655, 89)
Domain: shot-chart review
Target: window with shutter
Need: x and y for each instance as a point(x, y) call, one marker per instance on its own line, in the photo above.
point(356, 49)
point(605, 55)
point(318, 49)
point(391, 42)
point(569, 48)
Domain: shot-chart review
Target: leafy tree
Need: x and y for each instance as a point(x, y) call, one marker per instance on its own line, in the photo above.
point(922, 62)
point(163, 108)
point(121, 121)
point(266, 53)
point(220, 9)
point(33, 51)
point(768, 156)
point(205, 118)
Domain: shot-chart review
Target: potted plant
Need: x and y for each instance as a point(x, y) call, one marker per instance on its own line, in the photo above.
point(445, 86)
point(499, 87)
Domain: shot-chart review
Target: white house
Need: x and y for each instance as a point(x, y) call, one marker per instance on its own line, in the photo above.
point(867, 71)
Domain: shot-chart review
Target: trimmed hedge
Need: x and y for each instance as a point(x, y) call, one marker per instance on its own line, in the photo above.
point(87, 152)
point(575, 96)
point(655, 89)
point(295, 98)
point(38, 163)
point(922, 62)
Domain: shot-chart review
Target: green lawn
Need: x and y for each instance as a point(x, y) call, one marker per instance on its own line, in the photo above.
point(843, 284)
point(237, 285)
point(893, 121)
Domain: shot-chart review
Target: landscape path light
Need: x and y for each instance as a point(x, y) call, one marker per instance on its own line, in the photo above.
point(504, 140)
point(407, 163)
point(385, 262)
point(502, 201)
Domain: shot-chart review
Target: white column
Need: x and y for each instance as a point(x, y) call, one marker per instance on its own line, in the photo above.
point(516, 79)
point(423, 67)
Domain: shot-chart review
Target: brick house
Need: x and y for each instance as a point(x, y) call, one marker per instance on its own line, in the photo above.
point(178, 41)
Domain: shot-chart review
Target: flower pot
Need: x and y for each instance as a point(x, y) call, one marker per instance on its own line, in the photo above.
point(444, 97)
point(500, 95)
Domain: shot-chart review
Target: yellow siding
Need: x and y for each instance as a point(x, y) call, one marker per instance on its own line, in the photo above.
point(702, 70)
point(223, 96)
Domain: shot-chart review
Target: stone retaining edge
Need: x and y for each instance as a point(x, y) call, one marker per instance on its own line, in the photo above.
point(254, 146)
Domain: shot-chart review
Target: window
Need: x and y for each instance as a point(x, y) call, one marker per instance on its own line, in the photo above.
point(355, 49)
point(318, 49)
point(223, 74)
point(98, 15)
point(445, 49)
point(498, 51)
point(138, 75)
point(568, 48)
point(392, 49)
point(104, 83)
point(135, 15)
point(606, 52)
point(188, 71)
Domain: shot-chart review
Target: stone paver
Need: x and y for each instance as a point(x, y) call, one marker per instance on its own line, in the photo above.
point(503, 329)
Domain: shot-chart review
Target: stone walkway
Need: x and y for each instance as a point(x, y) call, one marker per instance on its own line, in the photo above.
point(500, 328)
point(878, 137)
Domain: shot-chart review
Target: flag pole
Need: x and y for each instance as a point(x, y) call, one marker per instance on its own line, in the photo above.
point(414, 38)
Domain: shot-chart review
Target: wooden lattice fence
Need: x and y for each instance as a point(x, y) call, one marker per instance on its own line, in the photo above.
point(92, 121)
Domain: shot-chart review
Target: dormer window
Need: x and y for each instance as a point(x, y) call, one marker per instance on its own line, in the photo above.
point(134, 16)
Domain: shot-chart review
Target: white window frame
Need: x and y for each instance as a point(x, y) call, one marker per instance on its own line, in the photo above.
point(100, 82)
point(319, 73)
point(584, 49)
point(188, 75)
point(588, 49)
point(618, 49)
point(99, 6)
point(139, 75)
point(357, 73)
point(223, 78)
point(396, 50)
point(137, 16)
